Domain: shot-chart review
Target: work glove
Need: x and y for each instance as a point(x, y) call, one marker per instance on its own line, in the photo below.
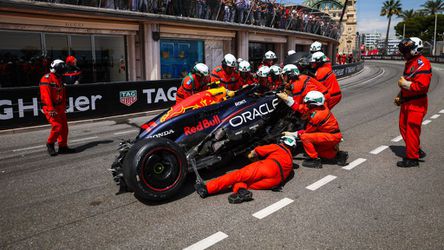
point(286, 98)
point(397, 101)
point(403, 83)
point(287, 133)
point(252, 155)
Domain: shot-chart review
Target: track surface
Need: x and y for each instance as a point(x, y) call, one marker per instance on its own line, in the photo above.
point(68, 201)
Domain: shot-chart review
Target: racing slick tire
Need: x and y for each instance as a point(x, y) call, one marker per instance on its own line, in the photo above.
point(155, 169)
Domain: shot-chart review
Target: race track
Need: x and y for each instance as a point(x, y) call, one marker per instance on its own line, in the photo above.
point(69, 201)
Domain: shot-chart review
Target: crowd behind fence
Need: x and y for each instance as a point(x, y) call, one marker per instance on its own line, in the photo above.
point(265, 13)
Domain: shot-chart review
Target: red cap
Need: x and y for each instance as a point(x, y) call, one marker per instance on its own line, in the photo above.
point(70, 60)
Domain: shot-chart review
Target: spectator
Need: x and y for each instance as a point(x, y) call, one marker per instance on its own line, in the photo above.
point(201, 9)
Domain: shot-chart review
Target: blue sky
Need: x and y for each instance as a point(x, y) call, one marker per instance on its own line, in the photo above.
point(368, 14)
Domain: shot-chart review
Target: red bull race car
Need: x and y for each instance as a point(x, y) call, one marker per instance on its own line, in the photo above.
point(155, 164)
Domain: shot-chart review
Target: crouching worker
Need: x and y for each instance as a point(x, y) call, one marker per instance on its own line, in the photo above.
point(273, 166)
point(322, 136)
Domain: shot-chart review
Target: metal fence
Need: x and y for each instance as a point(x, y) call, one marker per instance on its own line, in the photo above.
point(434, 59)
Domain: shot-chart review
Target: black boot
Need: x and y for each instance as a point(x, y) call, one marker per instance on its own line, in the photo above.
point(312, 163)
point(241, 196)
point(341, 158)
point(201, 189)
point(51, 149)
point(66, 150)
point(422, 154)
point(408, 163)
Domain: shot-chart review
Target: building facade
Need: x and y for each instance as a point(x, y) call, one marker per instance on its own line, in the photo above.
point(122, 45)
point(371, 40)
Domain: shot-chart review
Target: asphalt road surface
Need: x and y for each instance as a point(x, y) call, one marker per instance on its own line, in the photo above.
point(69, 201)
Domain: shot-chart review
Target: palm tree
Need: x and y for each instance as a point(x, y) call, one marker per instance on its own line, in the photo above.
point(407, 14)
point(390, 8)
point(433, 6)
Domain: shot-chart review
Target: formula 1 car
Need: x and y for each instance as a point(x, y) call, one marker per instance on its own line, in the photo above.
point(155, 164)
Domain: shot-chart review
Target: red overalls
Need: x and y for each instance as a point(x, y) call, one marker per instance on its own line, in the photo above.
point(414, 103)
point(53, 97)
point(325, 75)
point(322, 134)
point(230, 82)
point(247, 81)
point(190, 85)
point(302, 86)
point(263, 174)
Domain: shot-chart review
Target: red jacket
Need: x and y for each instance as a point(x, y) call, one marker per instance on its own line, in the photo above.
point(247, 81)
point(52, 92)
point(230, 82)
point(419, 71)
point(302, 86)
point(321, 120)
point(190, 85)
point(325, 75)
point(276, 152)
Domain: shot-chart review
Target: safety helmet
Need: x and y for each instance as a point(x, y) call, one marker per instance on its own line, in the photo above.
point(276, 70)
point(412, 46)
point(291, 70)
point(288, 140)
point(263, 71)
point(239, 60)
point(70, 60)
point(244, 66)
point(316, 46)
point(315, 98)
point(229, 60)
point(270, 55)
point(291, 52)
point(200, 69)
point(318, 57)
point(58, 67)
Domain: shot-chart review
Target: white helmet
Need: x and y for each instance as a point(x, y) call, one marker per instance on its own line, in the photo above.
point(418, 42)
point(316, 46)
point(244, 66)
point(291, 70)
point(270, 55)
point(229, 60)
point(291, 52)
point(315, 98)
point(263, 71)
point(288, 140)
point(201, 69)
point(57, 67)
point(318, 57)
point(239, 60)
point(276, 70)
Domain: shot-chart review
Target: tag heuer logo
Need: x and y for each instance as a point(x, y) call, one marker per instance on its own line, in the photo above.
point(128, 97)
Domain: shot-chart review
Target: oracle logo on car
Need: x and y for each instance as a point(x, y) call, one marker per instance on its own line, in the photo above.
point(205, 123)
point(251, 115)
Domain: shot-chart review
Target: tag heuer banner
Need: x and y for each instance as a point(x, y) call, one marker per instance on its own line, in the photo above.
point(128, 97)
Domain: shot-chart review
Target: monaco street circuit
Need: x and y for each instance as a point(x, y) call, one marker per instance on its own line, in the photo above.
point(69, 201)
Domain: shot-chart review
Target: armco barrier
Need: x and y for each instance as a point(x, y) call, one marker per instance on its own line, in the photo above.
point(434, 59)
point(20, 107)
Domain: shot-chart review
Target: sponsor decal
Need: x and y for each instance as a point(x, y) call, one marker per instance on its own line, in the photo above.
point(251, 115)
point(128, 97)
point(240, 103)
point(148, 126)
point(204, 124)
point(162, 134)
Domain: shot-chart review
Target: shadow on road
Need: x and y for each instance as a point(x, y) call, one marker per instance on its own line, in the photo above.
point(92, 144)
point(398, 150)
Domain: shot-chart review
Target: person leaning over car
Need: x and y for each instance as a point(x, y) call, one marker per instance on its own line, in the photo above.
point(227, 73)
point(273, 164)
point(193, 83)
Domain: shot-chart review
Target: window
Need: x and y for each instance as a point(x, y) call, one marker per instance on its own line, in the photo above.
point(177, 57)
point(110, 59)
point(256, 52)
point(81, 49)
point(56, 46)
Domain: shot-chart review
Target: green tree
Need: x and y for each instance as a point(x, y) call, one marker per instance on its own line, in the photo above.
point(407, 14)
point(390, 8)
point(433, 6)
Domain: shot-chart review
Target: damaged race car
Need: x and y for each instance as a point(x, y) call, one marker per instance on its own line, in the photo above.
point(155, 164)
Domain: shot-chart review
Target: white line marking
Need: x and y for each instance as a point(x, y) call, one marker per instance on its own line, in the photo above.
point(207, 242)
point(426, 122)
point(354, 163)
point(435, 116)
point(272, 208)
point(378, 150)
point(28, 148)
point(397, 138)
point(321, 182)
point(441, 111)
point(85, 139)
point(126, 132)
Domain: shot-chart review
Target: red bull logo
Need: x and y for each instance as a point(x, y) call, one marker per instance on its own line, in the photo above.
point(206, 123)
